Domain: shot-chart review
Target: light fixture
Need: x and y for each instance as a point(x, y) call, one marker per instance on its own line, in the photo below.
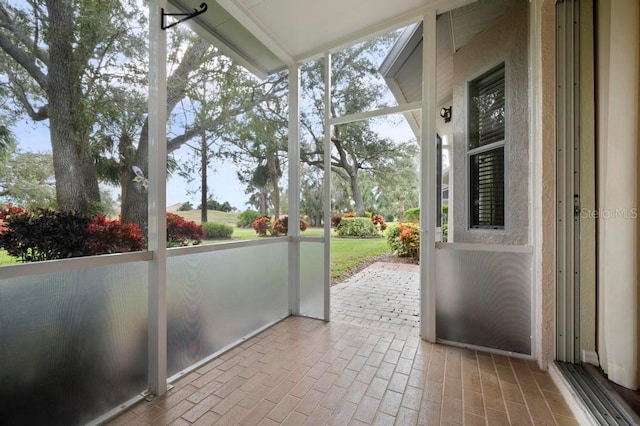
point(446, 114)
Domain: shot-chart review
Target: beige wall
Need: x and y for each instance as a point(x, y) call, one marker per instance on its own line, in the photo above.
point(618, 189)
point(507, 41)
point(544, 176)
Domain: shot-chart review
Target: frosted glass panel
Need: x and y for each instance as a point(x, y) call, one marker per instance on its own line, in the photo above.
point(217, 298)
point(483, 298)
point(73, 345)
point(312, 279)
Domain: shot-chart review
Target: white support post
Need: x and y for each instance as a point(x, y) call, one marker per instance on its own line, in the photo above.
point(294, 189)
point(327, 186)
point(157, 221)
point(428, 180)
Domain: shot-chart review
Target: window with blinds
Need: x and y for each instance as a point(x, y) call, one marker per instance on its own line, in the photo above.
point(486, 149)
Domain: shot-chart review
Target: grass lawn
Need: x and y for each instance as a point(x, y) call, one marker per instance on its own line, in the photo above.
point(346, 253)
point(5, 259)
point(212, 216)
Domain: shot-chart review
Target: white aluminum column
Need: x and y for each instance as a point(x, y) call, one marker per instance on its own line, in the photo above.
point(157, 201)
point(327, 186)
point(294, 189)
point(428, 180)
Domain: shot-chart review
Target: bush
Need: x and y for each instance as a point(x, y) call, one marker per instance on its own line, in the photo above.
point(185, 207)
point(281, 226)
point(48, 235)
point(356, 227)
point(335, 221)
point(182, 232)
point(246, 218)
point(217, 230)
point(379, 222)
point(404, 239)
point(112, 236)
point(44, 235)
point(216, 205)
point(412, 215)
point(262, 225)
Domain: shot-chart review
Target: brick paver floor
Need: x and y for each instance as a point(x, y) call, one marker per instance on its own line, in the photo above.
point(307, 372)
point(384, 296)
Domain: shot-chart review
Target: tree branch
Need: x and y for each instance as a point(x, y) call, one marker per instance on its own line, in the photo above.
point(7, 22)
point(26, 62)
point(16, 87)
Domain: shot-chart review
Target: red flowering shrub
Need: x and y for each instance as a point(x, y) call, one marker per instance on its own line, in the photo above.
point(43, 234)
point(112, 236)
point(281, 226)
point(182, 232)
point(378, 220)
point(7, 211)
point(261, 225)
point(335, 221)
point(404, 239)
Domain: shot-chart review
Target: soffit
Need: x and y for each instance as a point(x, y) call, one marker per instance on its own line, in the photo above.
point(269, 35)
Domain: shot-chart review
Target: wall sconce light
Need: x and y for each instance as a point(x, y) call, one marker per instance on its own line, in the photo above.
point(446, 114)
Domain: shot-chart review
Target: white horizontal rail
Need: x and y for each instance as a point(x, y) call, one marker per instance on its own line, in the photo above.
point(399, 109)
point(50, 266)
point(319, 240)
point(207, 248)
point(485, 247)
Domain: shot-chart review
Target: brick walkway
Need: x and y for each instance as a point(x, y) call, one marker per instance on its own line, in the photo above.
point(383, 296)
point(308, 372)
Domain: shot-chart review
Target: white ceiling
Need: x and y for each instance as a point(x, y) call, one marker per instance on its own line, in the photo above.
point(294, 31)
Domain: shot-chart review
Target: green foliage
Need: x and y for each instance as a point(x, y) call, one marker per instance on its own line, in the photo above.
point(356, 227)
point(181, 232)
point(246, 218)
point(185, 207)
point(445, 232)
point(216, 205)
point(213, 230)
point(412, 215)
point(48, 235)
point(27, 179)
point(404, 239)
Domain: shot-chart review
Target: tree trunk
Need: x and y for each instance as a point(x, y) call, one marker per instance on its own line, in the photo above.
point(134, 206)
point(357, 193)
point(263, 202)
point(75, 173)
point(204, 161)
point(401, 208)
point(272, 164)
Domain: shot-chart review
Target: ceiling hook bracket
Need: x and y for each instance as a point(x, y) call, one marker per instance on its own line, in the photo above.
point(185, 16)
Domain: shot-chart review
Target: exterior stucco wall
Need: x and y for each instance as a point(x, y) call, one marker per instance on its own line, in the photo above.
point(543, 136)
point(507, 40)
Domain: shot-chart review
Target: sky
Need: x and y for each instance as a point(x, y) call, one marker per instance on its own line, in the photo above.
point(223, 182)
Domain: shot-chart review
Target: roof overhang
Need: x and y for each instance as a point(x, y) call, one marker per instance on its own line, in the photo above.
point(266, 36)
